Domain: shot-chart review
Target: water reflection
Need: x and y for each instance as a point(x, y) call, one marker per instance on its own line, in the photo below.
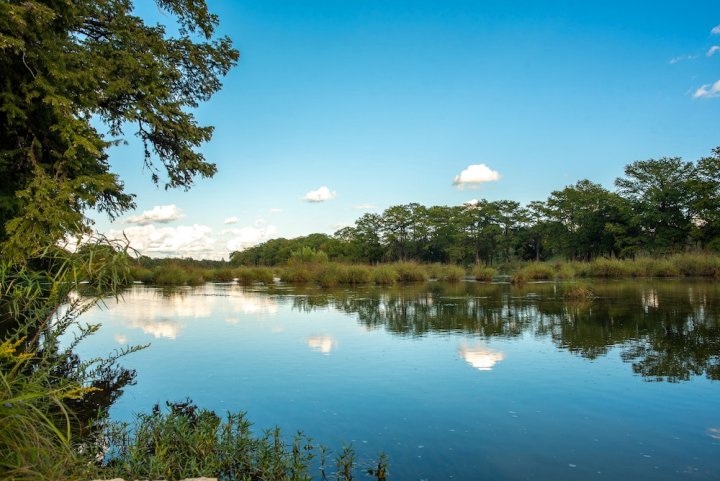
point(322, 344)
point(666, 330)
point(480, 358)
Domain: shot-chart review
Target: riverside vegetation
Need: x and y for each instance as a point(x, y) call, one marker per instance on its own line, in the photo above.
point(74, 76)
point(307, 266)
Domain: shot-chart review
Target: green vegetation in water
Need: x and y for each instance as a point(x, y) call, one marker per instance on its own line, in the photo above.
point(185, 441)
point(178, 272)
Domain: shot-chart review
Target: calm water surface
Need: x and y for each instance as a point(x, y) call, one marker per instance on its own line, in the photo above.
point(465, 382)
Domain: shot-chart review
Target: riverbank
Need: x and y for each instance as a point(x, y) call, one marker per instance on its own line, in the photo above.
point(331, 274)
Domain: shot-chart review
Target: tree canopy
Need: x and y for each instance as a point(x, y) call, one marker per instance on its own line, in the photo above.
point(75, 77)
point(660, 206)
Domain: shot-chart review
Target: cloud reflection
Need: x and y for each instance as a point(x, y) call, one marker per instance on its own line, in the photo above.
point(322, 344)
point(166, 328)
point(480, 358)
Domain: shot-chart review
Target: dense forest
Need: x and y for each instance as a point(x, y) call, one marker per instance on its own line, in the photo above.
point(659, 207)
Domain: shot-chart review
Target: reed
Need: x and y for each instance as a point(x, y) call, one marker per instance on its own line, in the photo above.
point(484, 273)
point(384, 275)
point(410, 272)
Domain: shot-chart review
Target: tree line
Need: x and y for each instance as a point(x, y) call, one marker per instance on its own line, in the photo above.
point(659, 207)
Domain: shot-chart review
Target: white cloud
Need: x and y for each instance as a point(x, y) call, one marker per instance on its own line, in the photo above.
point(320, 195)
point(471, 203)
point(160, 213)
point(708, 91)
point(195, 240)
point(475, 175)
point(715, 30)
point(231, 220)
point(364, 206)
point(680, 58)
point(260, 221)
point(245, 237)
point(275, 210)
point(712, 50)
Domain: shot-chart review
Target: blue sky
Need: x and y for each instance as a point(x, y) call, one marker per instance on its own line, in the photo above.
point(387, 102)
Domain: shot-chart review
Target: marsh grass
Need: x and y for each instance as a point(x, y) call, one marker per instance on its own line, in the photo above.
point(384, 275)
point(185, 441)
point(484, 273)
point(251, 275)
point(408, 272)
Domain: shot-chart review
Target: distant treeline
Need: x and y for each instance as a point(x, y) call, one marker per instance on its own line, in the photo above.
point(659, 207)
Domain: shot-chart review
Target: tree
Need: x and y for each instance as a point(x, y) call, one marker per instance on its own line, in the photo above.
point(706, 201)
point(580, 215)
point(74, 76)
point(661, 192)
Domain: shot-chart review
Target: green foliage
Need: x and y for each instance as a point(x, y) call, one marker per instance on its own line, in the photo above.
point(307, 255)
point(660, 207)
point(185, 442)
point(49, 398)
point(73, 77)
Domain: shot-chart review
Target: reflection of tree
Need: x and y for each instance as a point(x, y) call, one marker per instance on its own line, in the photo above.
point(667, 330)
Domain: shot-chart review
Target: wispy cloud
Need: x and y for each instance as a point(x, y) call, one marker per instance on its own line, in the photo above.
point(231, 220)
point(475, 175)
point(681, 58)
point(715, 30)
point(320, 195)
point(274, 210)
point(162, 214)
point(712, 50)
point(708, 91)
point(364, 206)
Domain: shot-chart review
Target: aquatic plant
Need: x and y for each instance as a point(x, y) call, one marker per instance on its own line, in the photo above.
point(484, 273)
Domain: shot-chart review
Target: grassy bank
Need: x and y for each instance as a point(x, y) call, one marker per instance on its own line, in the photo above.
point(331, 274)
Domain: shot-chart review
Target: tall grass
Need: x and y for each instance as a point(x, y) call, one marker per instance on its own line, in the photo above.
point(483, 273)
point(185, 441)
point(410, 272)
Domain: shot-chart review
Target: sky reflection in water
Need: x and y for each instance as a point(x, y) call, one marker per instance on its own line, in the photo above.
point(454, 382)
